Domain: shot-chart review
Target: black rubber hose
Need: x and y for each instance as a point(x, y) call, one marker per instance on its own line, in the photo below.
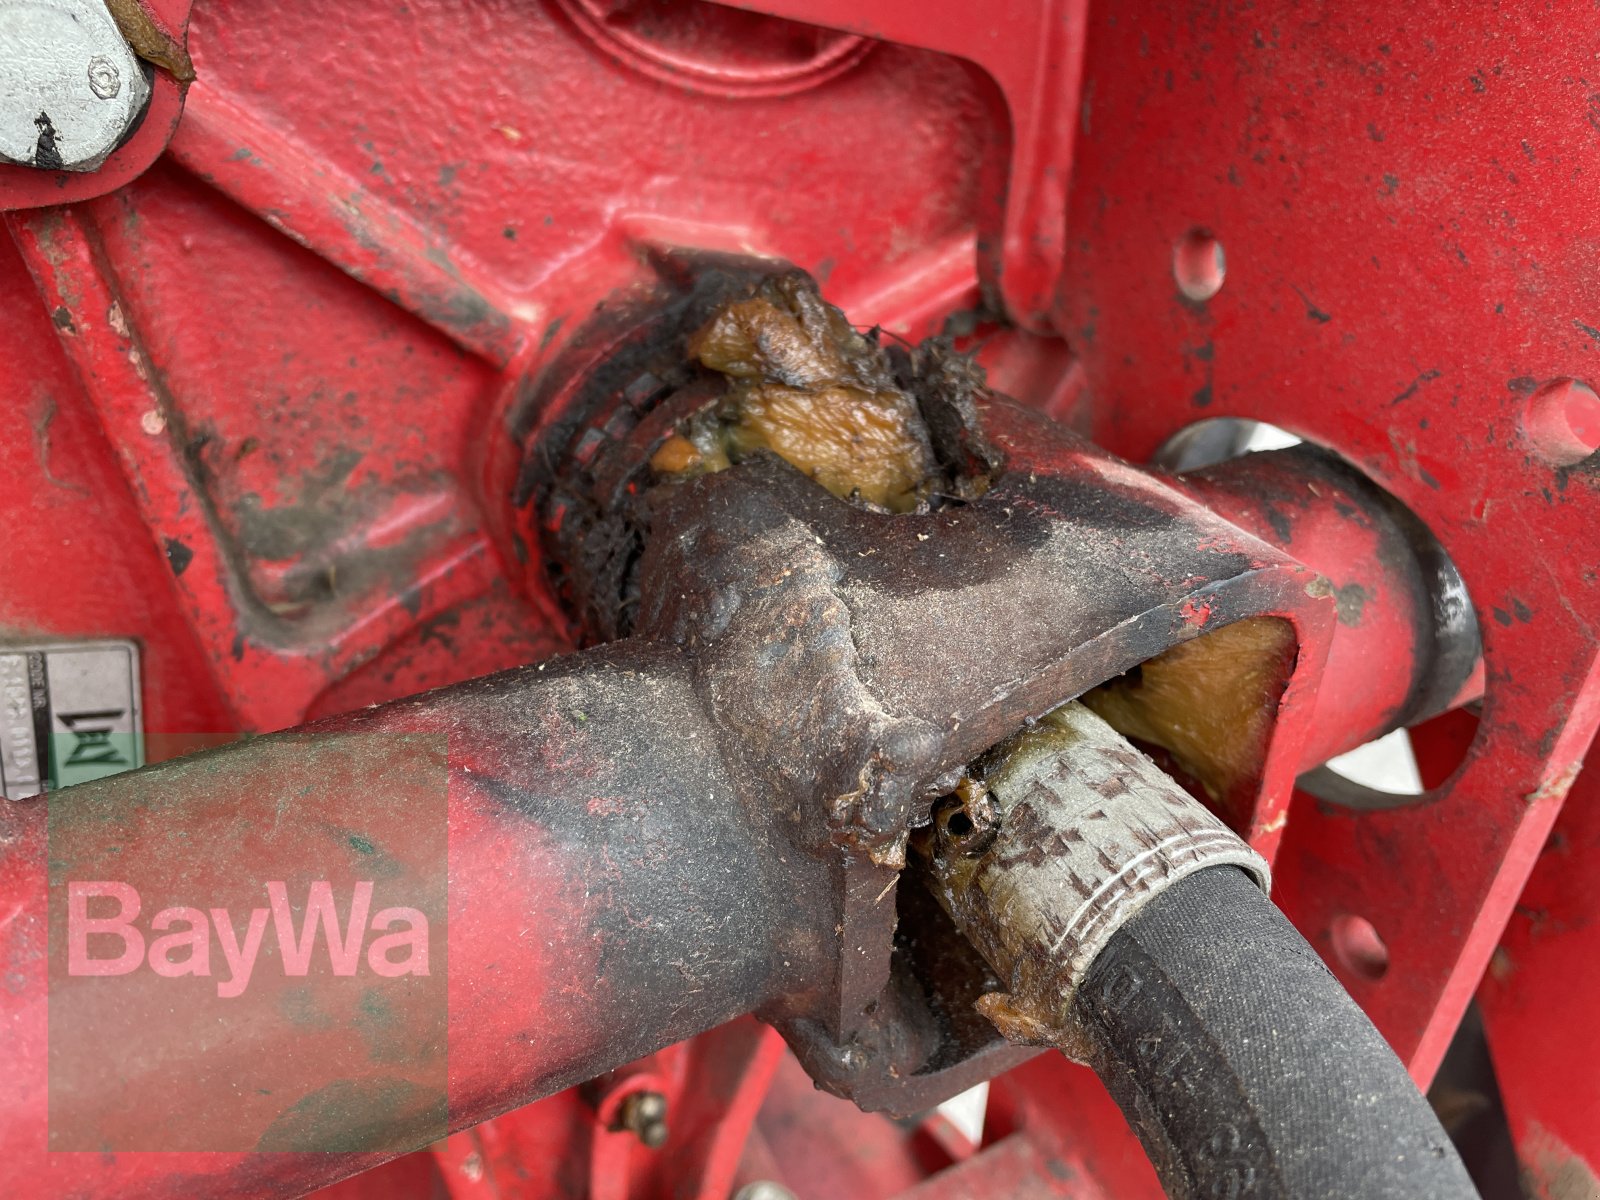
point(1244, 1066)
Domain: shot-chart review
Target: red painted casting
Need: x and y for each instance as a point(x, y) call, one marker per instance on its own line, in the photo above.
point(259, 390)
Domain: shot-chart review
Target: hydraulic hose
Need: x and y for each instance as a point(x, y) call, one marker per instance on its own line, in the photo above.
point(1135, 934)
point(1243, 1065)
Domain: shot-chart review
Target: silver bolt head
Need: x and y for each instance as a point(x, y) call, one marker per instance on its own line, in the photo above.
point(763, 1189)
point(70, 85)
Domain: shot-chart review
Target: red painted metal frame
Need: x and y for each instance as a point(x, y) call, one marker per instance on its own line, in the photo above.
point(1033, 52)
point(281, 464)
point(1403, 226)
point(1538, 1000)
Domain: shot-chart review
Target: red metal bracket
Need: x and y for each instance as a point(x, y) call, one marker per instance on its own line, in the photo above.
point(1402, 224)
point(1033, 51)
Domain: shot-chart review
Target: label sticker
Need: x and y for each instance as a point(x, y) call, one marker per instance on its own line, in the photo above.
point(69, 713)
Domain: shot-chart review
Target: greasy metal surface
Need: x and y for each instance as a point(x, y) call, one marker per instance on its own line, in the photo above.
point(734, 358)
point(1089, 831)
point(805, 386)
point(585, 927)
point(766, 736)
point(1036, 623)
point(779, 631)
point(808, 615)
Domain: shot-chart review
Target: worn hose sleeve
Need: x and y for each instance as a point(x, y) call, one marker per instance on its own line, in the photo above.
point(1244, 1066)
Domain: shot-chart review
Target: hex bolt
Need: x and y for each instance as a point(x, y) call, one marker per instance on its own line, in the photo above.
point(74, 89)
point(644, 1114)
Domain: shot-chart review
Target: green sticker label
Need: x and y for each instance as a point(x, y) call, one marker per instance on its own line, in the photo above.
point(69, 713)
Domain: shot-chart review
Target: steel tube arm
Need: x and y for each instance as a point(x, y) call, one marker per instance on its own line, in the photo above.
point(1407, 646)
point(604, 896)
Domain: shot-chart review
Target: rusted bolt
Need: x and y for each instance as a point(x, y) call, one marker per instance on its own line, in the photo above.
point(968, 819)
point(644, 1114)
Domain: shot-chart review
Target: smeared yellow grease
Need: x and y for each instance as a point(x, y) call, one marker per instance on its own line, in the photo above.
point(804, 385)
point(1210, 702)
point(678, 456)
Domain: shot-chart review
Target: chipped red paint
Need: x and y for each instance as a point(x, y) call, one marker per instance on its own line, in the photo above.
point(1538, 998)
point(260, 386)
point(1195, 612)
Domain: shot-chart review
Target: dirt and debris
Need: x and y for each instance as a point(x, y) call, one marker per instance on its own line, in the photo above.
point(150, 41)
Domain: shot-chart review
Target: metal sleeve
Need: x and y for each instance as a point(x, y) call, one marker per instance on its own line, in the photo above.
point(1089, 831)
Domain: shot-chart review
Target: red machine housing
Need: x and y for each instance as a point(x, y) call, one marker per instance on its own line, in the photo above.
point(268, 406)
